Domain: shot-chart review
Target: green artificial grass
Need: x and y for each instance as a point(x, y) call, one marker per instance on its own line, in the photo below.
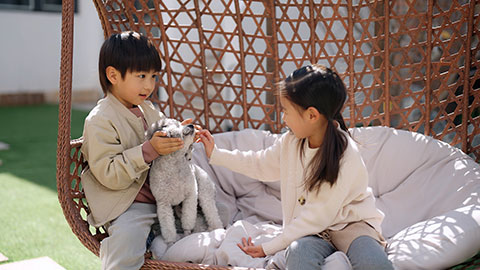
point(32, 223)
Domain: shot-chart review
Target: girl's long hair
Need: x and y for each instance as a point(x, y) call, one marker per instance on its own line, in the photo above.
point(319, 87)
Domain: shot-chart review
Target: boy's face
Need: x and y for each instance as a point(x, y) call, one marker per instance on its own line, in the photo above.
point(134, 88)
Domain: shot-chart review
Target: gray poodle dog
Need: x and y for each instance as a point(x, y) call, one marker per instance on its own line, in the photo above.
point(175, 180)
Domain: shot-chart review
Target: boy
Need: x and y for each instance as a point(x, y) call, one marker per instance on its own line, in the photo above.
point(115, 181)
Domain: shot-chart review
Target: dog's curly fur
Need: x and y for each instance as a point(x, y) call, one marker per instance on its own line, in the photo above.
point(175, 180)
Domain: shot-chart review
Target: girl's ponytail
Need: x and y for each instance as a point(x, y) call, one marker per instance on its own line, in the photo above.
point(339, 118)
point(325, 165)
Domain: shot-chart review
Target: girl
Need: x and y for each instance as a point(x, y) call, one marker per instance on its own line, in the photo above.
point(326, 202)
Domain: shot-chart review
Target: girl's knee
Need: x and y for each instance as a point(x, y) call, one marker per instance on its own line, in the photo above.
point(293, 251)
point(308, 253)
point(300, 246)
point(295, 247)
point(295, 254)
point(366, 253)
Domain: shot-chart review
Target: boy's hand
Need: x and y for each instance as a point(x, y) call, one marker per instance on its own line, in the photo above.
point(207, 140)
point(197, 128)
point(164, 145)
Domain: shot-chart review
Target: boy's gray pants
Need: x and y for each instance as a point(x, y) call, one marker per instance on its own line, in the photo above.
point(125, 246)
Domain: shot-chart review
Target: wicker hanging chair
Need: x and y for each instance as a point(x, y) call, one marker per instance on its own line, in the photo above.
point(413, 65)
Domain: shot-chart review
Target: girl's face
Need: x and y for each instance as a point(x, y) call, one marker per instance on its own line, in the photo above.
point(295, 118)
point(135, 87)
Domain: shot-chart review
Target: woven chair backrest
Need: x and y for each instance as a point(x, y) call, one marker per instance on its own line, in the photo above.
point(407, 64)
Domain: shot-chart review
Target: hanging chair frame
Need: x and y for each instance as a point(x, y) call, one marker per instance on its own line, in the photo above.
point(454, 104)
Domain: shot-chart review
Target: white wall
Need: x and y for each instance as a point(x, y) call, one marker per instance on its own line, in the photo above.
point(30, 44)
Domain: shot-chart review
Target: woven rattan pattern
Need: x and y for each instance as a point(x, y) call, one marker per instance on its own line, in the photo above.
point(407, 64)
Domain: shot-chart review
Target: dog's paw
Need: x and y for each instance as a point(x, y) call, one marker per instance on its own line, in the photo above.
point(170, 239)
point(187, 232)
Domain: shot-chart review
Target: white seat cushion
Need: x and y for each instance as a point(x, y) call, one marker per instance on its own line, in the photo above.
point(415, 177)
point(243, 197)
point(439, 242)
point(430, 194)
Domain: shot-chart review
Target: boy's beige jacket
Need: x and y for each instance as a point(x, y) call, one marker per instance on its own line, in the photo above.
point(112, 145)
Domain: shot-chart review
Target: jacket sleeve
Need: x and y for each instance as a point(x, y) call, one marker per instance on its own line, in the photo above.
point(263, 165)
point(112, 165)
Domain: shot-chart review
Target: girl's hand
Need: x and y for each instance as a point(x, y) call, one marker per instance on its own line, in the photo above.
point(197, 128)
point(164, 145)
point(249, 248)
point(207, 139)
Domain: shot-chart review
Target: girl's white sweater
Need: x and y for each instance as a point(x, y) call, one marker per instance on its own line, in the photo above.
point(307, 213)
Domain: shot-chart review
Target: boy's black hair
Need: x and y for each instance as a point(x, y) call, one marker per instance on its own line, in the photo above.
point(127, 51)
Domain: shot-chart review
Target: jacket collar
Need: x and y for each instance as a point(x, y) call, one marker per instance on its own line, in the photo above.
point(147, 109)
point(120, 108)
